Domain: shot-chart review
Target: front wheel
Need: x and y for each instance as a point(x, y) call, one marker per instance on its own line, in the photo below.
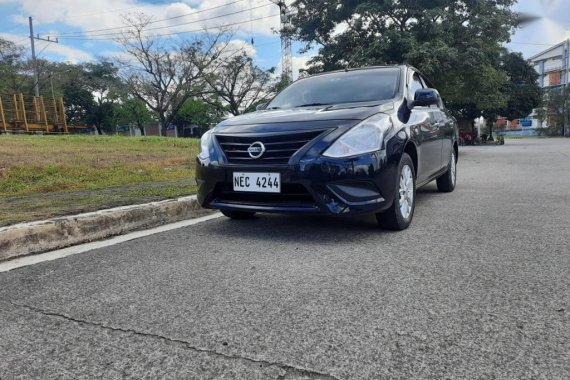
point(446, 182)
point(399, 215)
point(238, 214)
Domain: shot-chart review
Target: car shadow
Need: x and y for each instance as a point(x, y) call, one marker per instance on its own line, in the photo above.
point(307, 228)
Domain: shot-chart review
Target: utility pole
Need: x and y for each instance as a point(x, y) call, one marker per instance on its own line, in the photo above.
point(286, 59)
point(35, 62)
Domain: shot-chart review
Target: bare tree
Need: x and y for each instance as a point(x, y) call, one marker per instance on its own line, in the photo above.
point(164, 73)
point(239, 83)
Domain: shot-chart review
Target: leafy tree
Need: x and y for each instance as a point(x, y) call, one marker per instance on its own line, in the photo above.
point(521, 90)
point(79, 104)
point(239, 83)
point(522, 87)
point(555, 111)
point(455, 43)
point(133, 111)
point(164, 73)
point(11, 60)
point(102, 81)
point(200, 113)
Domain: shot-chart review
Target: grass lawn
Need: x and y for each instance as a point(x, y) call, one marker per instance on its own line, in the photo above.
point(47, 176)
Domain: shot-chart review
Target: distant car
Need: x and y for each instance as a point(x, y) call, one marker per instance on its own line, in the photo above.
point(346, 142)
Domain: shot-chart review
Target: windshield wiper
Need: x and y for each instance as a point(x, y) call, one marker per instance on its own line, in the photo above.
point(313, 104)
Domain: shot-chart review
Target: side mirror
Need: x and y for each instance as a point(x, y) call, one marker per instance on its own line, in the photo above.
point(261, 106)
point(425, 97)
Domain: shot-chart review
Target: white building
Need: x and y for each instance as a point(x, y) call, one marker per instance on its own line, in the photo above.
point(553, 67)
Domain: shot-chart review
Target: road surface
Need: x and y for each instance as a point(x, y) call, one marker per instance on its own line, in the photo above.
point(477, 287)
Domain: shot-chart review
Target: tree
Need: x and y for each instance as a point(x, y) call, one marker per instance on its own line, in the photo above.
point(164, 73)
point(133, 111)
point(521, 90)
point(455, 43)
point(522, 87)
point(555, 111)
point(240, 83)
point(11, 60)
point(200, 113)
point(79, 104)
point(102, 81)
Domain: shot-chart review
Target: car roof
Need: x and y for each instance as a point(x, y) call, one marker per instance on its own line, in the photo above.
point(349, 69)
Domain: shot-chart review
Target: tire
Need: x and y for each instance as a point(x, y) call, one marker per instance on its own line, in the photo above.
point(399, 216)
point(446, 182)
point(238, 214)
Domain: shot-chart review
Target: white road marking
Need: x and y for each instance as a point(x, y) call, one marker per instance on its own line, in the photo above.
point(81, 248)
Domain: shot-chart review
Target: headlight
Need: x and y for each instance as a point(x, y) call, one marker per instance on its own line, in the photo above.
point(205, 143)
point(363, 138)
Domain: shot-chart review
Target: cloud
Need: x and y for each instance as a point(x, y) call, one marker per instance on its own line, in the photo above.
point(68, 54)
point(237, 46)
point(549, 29)
point(299, 63)
point(82, 16)
point(79, 24)
point(65, 53)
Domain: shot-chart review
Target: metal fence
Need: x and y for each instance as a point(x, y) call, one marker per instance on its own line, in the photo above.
point(19, 113)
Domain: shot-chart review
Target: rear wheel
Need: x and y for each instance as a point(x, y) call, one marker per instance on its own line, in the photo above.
point(446, 182)
point(400, 214)
point(238, 214)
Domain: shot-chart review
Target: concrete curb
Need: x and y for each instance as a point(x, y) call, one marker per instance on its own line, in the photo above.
point(35, 237)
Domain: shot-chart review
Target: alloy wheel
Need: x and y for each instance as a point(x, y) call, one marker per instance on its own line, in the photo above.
point(406, 191)
point(453, 168)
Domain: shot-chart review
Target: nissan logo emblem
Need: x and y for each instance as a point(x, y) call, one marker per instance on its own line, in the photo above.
point(256, 149)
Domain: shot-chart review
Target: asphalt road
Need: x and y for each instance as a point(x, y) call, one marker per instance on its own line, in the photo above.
point(477, 288)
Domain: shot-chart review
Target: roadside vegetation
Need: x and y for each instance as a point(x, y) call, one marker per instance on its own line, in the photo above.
point(47, 176)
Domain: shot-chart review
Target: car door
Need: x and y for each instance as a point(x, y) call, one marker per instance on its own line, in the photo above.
point(425, 126)
point(448, 133)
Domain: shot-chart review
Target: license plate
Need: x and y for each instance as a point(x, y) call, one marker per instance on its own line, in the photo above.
point(257, 182)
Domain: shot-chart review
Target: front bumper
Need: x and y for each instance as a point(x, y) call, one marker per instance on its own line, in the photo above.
point(319, 185)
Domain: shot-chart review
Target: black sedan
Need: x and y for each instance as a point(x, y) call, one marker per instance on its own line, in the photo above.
point(345, 142)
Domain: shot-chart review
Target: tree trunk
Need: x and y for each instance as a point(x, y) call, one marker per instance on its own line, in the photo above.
point(98, 127)
point(141, 127)
point(162, 126)
point(566, 120)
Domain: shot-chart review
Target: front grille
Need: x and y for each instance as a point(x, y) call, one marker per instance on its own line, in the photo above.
point(292, 195)
point(278, 148)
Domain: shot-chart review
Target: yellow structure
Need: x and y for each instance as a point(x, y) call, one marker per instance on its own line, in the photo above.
point(19, 113)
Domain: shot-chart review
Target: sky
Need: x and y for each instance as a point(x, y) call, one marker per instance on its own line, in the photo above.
point(86, 28)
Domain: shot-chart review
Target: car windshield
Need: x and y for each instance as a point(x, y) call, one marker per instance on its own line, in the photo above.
point(339, 87)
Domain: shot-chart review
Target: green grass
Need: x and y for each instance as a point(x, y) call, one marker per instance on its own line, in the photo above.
point(46, 176)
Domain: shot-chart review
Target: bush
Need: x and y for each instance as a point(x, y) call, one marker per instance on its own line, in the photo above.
point(549, 131)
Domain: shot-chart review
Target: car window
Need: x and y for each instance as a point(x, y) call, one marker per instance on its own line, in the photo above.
point(340, 87)
point(415, 85)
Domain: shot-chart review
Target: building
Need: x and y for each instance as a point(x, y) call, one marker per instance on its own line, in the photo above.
point(553, 68)
point(553, 65)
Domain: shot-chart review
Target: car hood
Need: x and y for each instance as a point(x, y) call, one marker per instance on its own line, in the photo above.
point(299, 119)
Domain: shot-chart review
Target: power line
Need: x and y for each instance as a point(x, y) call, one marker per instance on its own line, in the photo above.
point(533, 43)
point(22, 40)
point(174, 25)
point(41, 51)
point(100, 12)
point(173, 33)
point(153, 22)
